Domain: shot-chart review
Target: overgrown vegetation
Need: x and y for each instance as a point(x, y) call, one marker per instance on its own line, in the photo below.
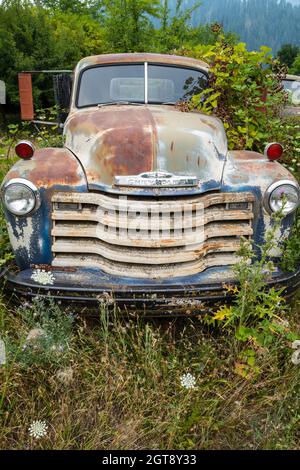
point(115, 384)
point(289, 55)
point(245, 92)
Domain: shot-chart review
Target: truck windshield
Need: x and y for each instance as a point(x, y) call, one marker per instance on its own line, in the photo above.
point(139, 83)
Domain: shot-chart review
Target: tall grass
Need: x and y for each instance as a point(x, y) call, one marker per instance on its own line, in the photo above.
point(116, 385)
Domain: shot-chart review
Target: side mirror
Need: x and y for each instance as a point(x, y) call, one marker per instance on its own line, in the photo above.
point(62, 84)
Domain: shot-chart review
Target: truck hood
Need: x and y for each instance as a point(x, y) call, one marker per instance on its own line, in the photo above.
point(129, 140)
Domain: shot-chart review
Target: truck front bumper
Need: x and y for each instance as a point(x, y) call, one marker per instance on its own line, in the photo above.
point(167, 297)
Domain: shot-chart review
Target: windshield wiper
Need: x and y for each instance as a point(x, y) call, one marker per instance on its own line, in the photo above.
point(109, 103)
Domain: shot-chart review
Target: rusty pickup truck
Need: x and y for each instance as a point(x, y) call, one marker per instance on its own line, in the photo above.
point(144, 204)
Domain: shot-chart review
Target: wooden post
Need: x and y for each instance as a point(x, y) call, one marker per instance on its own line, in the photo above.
point(26, 98)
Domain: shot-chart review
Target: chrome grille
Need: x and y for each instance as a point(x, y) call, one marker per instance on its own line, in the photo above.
point(100, 230)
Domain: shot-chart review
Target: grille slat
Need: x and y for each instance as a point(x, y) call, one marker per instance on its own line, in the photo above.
point(162, 205)
point(142, 246)
point(120, 220)
point(142, 255)
point(145, 270)
point(158, 240)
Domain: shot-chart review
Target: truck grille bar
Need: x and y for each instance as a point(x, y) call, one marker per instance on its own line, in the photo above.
point(142, 238)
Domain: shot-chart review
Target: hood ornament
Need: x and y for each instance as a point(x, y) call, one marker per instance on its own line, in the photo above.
point(156, 179)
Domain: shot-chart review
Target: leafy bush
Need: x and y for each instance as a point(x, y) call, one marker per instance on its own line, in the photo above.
point(245, 92)
point(291, 252)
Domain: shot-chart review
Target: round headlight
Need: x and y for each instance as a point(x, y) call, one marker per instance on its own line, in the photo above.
point(283, 195)
point(20, 197)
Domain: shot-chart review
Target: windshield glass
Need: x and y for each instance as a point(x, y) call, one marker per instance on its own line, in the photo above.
point(126, 83)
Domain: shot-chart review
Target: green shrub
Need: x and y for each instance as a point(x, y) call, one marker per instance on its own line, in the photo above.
point(243, 92)
point(291, 250)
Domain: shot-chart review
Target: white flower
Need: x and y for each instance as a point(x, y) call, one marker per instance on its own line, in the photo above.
point(38, 429)
point(65, 376)
point(35, 333)
point(2, 353)
point(105, 298)
point(188, 381)
point(58, 348)
point(25, 305)
point(33, 338)
point(296, 357)
point(42, 277)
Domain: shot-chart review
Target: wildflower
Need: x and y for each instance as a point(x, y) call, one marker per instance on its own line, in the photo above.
point(26, 305)
point(2, 353)
point(58, 348)
point(43, 277)
point(38, 429)
point(35, 334)
point(65, 376)
point(33, 338)
point(105, 298)
point(188, 381)
point(296, 357)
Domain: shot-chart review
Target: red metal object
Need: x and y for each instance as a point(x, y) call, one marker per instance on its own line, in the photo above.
point(26, 99)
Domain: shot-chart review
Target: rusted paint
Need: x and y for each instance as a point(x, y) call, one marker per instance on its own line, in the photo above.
point(254, 169)
point(140, 58)
point(49, 167)
point(115, 247)
point(109, 142)
point(50, 170)
point(128, 140)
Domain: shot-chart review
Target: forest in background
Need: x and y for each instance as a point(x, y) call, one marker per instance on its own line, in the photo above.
point(257, 22)
point(55, 34)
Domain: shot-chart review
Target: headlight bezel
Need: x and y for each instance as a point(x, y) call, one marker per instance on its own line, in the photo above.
point(273, 187)
point(29, 185)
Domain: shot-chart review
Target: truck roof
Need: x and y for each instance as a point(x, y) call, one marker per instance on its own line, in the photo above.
point(142, 57)
point(295, 78)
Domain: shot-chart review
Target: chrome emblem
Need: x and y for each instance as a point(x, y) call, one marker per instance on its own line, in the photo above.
point(156, 179)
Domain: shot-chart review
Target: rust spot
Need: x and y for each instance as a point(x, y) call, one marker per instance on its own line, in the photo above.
point(143, 57)
point(247, 155)
point(172, 146)
point(54, 166)
point(13, 174)
point(124, 141)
